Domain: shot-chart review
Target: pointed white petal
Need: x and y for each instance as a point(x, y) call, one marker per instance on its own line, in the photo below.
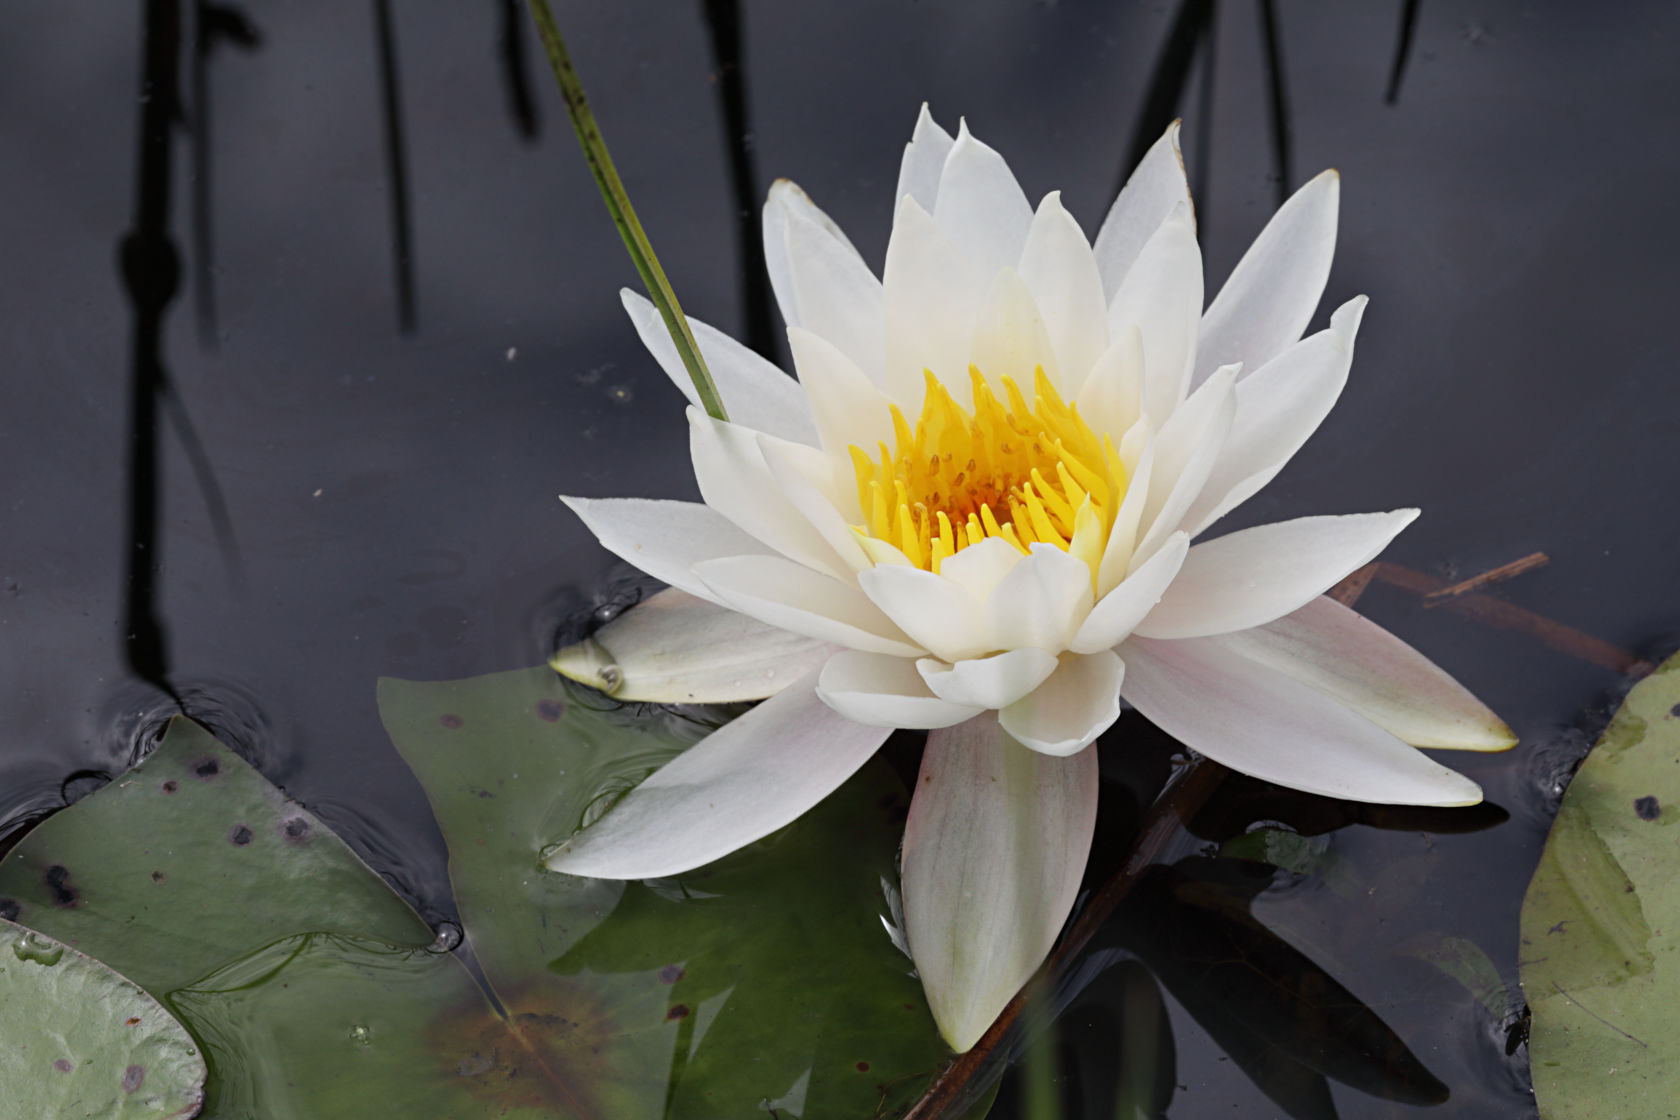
point(1010, 339)
point(980, 206)
point(831, 289)
point(1110, 399)
point(1273, 291)
point(934, 611)
point(1078, 702)
point(1189, 449)
point(734, 479)
point(782, 593)
point(1162, 297)
point(924, 161)
point(1041, 602)
point(1156, 188)
point(1253, 576)
point(1359, 664)
point(1117, 613)
point(1252, 719)
point(988, 682)
point(931, 295)
point(978, 568)
point(994, 850)
point(847, 407)
point(1122, 535)
point(885, 691)
point(1061, 271)
point(755, 392)
point(740, 783)
point(665, 539)
point(1278, 407)
point(673, 648)
point(806, 479)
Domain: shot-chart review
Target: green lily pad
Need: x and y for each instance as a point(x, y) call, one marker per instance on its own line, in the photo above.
point(787, 991)
point(188, 860)
point(78, 1040)
point(1601, 921)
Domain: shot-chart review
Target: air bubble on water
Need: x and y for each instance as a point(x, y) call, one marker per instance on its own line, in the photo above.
point(448, 937)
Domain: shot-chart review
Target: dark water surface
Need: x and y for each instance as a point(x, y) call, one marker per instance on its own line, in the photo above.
point(353, 469)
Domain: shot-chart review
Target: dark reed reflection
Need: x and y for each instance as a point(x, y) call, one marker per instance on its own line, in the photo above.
point(213, 24)
point(1402, 49)
point(1190, 34)
point(396, 166)
point(516, 74)
point(1277, 100)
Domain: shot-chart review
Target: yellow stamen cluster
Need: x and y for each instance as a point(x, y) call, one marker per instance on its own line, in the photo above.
point(1025, 474)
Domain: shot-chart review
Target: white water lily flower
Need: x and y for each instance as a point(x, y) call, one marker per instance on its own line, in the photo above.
point(973, 513)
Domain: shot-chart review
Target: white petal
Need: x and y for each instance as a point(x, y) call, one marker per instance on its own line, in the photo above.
point(832, 290)
point(673, 648)
point(1189, 448)
point(924, 161)
point(1359, 664)
point(978, 568)
point(1122, 535)
point(806, 479)
point(1061, 271)
point(993, 853)
point(734, 479)
point(1040, 603)
point(1253, 576)
point(1278, 407)
point(1078, 702)
point(755, 392)
point(988, 682)
point(1010, 339)
point(931, 295)
point(1273, 291)
point(1117, 613)
point(1156, 188)
point(1162, 297)
point(934, 611)
point(782, 593)
point(1111, 396)
point(980, 206)
point(742, 782)
point(885, 691)
point(848, 408)
point(1246, 716)
point(665, 539)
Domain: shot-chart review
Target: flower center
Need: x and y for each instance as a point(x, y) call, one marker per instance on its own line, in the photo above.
point(1026, 474)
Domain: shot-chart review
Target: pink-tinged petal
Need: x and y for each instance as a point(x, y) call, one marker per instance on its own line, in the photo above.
point(1061, 272)
point(755, 392)
point(1278, 407)
point(1252, 719)
point(1253, 576)
point(1117, 613)
point(1010, 339)
point(849, 408)
point(663, 538)
point(806, 479)
point(1156, 188)
point(1359, 664)
point(1275, 288)
point(1078, 702)
point(676, 649)
point(819, 276)
point(934, 611)
point(1110, 399)
point(924, 161)
point(994, 850)
point(931, 295)
point(988, 682)
point(885, 691)
point(777, 591)
point(1187, 451)
point(1040, 603)
point(734, 480)
point(1162, 298)
point(981, 207)
point(740, 783)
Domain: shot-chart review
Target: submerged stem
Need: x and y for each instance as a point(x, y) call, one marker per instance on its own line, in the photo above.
point(623, 214)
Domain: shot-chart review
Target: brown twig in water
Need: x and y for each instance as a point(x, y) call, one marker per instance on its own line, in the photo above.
point(1492, 575)
point(1177, 804)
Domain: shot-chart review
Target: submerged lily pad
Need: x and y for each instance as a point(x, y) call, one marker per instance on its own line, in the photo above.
point(1601, 921)
point(189, 860)
point(77, 1039)
point(784, 987)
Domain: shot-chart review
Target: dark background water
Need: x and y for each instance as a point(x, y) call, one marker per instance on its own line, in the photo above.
point(332, 451)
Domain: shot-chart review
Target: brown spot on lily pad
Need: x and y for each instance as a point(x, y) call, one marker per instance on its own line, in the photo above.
point(295, 830)
point(671, 973)
point(1648, 808)
point(206, 769)
point(450, 720)
point(170, 786)
point(9, 909)
point(680, 1011)
point(240, 835)
point(550, 710)
point(863, 1067)
point(57, 880)
point(64, 1065)
point(133, 1077)
point(158, 876)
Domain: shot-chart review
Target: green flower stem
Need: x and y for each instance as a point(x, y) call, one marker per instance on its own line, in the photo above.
point(623, 214)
